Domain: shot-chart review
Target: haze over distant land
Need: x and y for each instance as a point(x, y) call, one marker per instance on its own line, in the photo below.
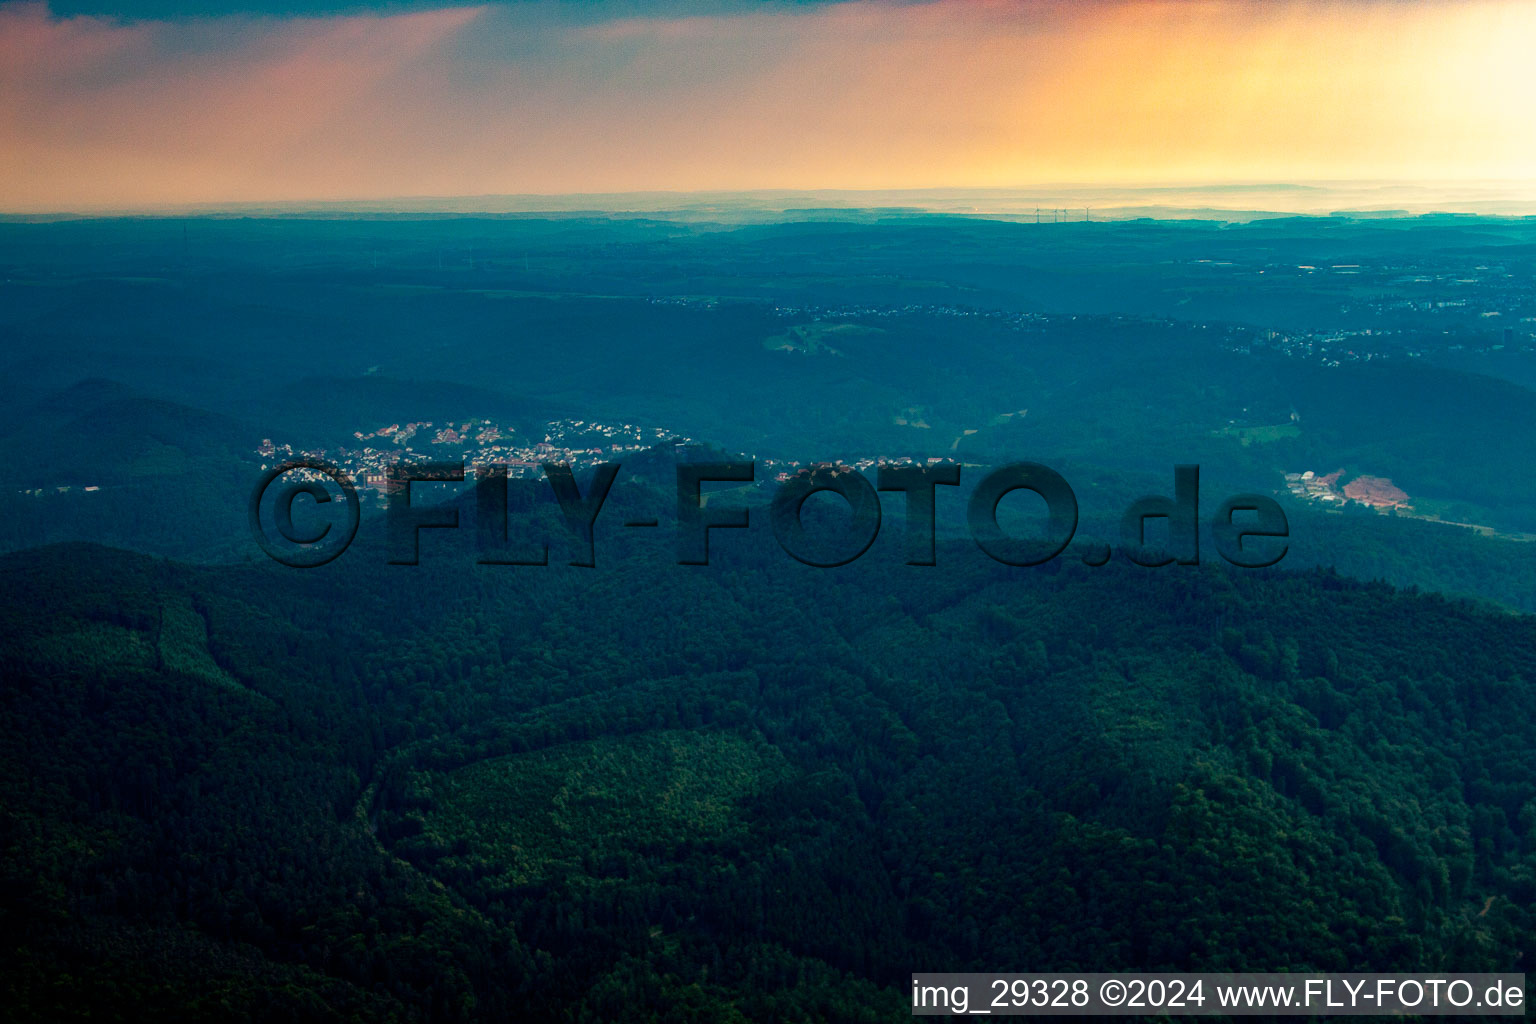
point(1045, 203)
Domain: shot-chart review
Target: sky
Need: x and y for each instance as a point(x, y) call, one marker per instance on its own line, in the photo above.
point(118, 105)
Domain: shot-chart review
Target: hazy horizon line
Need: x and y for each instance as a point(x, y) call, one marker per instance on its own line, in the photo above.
point(1249, 200)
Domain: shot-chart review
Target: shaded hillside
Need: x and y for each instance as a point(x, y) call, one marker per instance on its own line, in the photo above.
point(99, 462)
point(752, 789)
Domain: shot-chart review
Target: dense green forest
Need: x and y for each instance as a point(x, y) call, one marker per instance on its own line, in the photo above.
point(752, 791)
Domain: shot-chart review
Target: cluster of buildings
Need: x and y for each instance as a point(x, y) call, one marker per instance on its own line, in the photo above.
point(1374, 492)
point(473, 441)
point(38, 492)
point(1330, 348)
point(1337, 347)
point(821, 313)
point(479, 441)
point(780, 470)
point(1311, 487)
point(1415, 311)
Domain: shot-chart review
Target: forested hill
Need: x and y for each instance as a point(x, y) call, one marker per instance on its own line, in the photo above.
point(753, 791)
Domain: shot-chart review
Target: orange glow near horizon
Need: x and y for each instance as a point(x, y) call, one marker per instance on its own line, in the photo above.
point(494, 99)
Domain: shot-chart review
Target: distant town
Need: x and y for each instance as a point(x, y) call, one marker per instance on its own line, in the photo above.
point(1389, 311)
point(478, 441)
point(369, 455)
